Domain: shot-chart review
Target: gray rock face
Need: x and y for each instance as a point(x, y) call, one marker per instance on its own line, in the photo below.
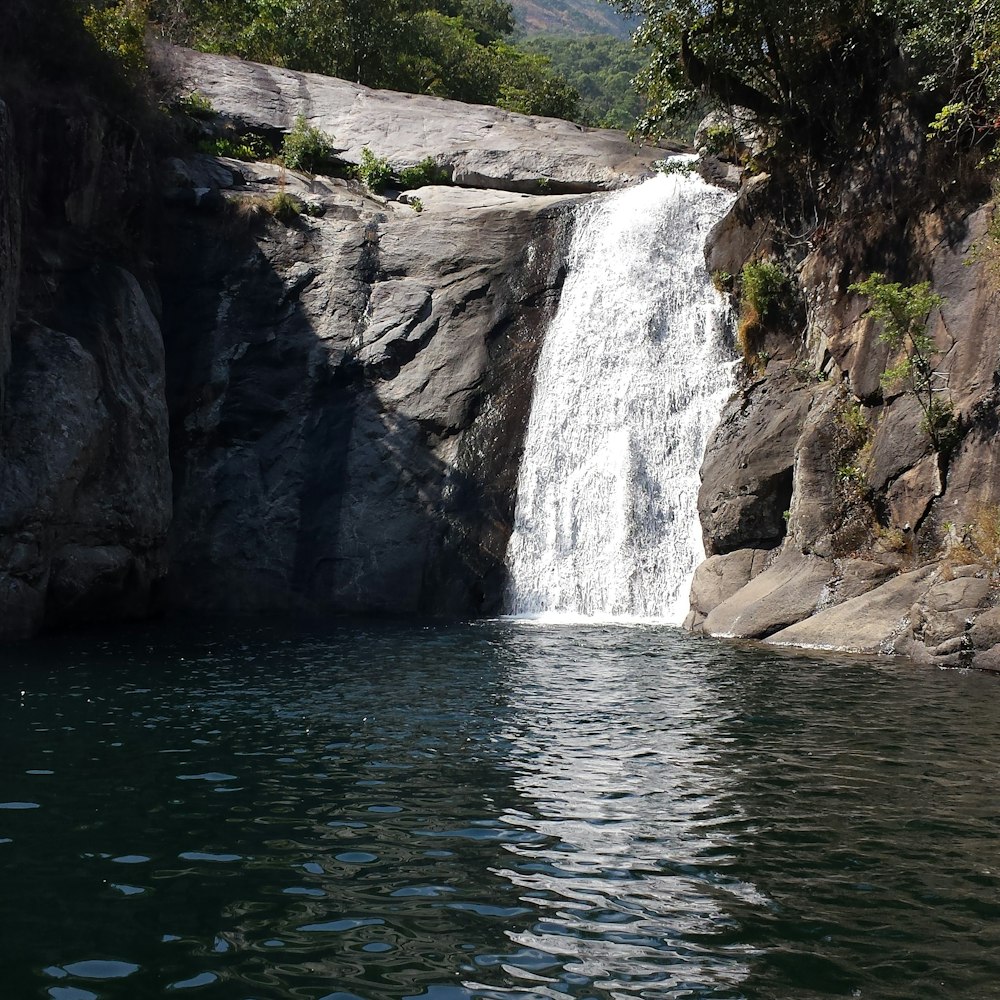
point(348, 397)
point(85, 496)
point(747, 473)
point(874, 513)
point(10, 242)
point(483, 147)
point(347, 392)
point(84, 473)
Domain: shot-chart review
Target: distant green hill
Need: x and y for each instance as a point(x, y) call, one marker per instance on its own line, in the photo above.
point(600, 68)
point(569, 17)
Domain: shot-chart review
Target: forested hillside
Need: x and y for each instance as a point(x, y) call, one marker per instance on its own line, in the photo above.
point(601, 69)
point(572, 17)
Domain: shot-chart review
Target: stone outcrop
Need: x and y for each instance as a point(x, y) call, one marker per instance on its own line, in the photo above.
point(349, 395)
point(206, 407)
point(481, 147)
point(874, 540)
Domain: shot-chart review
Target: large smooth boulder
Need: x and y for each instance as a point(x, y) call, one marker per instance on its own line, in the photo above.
point(483, 147)
point(349, 395)
point(790, 589)
point(871, 623)
point(746, 488)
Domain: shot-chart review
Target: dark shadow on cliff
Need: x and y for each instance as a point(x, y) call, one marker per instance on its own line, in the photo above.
point(297, 486)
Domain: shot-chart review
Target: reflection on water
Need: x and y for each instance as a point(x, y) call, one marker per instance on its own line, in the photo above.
point(497, 810)
point(614, 767)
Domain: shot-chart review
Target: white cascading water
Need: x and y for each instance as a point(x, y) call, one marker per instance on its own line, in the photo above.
point(632, 377)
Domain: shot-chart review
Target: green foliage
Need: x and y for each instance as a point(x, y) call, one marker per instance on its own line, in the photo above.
point(374, 171)
point(417, 205)
point(245, 147)
point(601, 69)
point(762, 286)
point(284, 207)
point(194, 105)
point(902, 311)
point(814, 69)
point(305, 147)
point(426, 172)
point(530, 87)
point(120, 31)
point(720, 140)
point(675, 166)
point(853, 428)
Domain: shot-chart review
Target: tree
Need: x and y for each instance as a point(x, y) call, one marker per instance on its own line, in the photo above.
point(816, 67)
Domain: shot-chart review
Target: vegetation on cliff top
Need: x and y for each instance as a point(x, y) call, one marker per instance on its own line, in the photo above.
point(459, 49)
point(816, 68)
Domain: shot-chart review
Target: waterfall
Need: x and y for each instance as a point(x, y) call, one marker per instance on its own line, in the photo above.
point(631, 379)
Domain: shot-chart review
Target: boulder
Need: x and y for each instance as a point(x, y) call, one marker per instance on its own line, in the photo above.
point(746, 488)
point(790, 589)
point(482, 147)
point(719, 577)
point(870, 623)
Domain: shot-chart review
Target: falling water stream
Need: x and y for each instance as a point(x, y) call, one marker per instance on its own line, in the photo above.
point(631, 379)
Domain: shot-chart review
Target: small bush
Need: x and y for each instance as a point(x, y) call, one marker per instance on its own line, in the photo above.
point(979, 541)
point(426, 172)
point(284, 207)
point(194, 105)
point(763, 284)
point(852, 426)
point(903, 311)
point(248, 147)
point(306, 148)
point(374, 171)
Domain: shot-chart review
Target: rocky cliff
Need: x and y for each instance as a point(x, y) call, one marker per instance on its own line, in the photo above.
point(208, 406)
point(831, 517)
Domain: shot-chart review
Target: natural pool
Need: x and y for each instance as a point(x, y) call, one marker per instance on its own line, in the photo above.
point(495, 810)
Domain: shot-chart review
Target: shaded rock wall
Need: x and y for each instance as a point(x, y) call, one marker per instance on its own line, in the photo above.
point(349, 395)
point(84, 476)
point(830, 518)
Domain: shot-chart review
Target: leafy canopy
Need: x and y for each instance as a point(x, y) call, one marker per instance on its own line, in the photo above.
point(814, 67)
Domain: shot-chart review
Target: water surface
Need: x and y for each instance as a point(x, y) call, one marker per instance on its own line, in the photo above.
point(499, 810)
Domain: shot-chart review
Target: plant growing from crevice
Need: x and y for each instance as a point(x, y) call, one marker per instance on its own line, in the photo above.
point(237, 147)
point(763, 284)
point(374, 171)
point(978, 541)
point(902, 311)
point(306, 147)
point(428, 171)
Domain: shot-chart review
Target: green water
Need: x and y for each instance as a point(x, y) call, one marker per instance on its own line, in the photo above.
point(496, 810)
